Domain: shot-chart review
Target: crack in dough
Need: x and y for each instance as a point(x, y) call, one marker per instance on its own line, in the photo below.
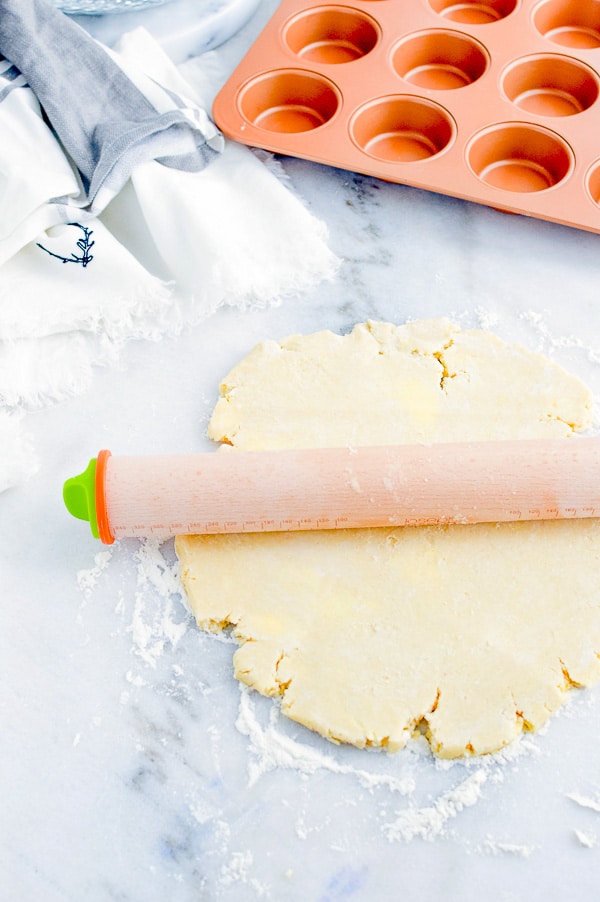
point(470, 634)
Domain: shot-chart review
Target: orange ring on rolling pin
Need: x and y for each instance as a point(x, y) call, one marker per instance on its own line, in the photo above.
point(104, 532)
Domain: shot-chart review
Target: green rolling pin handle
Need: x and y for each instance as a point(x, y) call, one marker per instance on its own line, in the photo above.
point(84, 497)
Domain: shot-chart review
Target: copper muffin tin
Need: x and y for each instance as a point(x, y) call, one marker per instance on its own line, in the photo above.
point(496, 102)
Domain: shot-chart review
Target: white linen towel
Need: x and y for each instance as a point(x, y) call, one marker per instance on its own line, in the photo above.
point(250, 239)
point(107, 122)
point(243, 238)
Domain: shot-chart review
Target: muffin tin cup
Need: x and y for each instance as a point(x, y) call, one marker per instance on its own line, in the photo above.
point(569, 23)
point(402, 129)
point(331, 35)
point(519, 157)
point(592, 183)
point(474, 13)
point(288, 101)
point(439, 60)
point(493, 101)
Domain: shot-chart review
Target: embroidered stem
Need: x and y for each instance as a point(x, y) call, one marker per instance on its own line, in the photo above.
point(84, 244)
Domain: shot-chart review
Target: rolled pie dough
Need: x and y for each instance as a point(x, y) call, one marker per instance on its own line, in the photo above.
point(469, 634)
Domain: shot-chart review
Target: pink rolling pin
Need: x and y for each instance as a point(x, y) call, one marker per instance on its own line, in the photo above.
point(337, 488)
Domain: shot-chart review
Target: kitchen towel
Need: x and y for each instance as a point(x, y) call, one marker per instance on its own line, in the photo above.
point(170, 247)
point(18, 460)
point(68, 302)
point(70, 293)
point(34, 170)
point(233, 233)
point(107, 123)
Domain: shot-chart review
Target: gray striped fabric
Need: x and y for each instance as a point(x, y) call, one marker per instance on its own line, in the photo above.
point(10, 78)
point(107, 123)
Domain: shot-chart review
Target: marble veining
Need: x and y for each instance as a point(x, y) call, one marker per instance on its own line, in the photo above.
point(187, 28)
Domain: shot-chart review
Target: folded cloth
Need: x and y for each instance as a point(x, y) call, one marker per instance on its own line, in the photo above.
point(68, 302)
point(107, 124)
point(79, 278)
point(233, 233)
point(170, 247)
point(33, 167)
point(17, 458)
point(70, 294)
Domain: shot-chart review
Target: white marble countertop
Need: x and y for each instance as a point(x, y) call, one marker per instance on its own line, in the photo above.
point(184, 28)
point(132, 767)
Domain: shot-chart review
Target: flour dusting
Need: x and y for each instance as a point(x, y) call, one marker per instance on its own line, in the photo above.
point(586, 838)
point(272, 749)
point(159, 619)
point(156, 617)
point(87, 579)
point(585, 801)
point(494, 847)
point(154, 569)
point(429, 822)
point(238, 871)
point(553, 342)
point(487, 319)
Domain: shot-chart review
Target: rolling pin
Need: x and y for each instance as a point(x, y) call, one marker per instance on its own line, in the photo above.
point(337, 488)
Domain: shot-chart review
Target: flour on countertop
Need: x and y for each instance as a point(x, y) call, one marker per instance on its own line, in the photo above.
point(160, 617)
point(494, 847)
point(429, 822)
point(273, 749)
point(586, 838)
point(486, 319)
point(270, 748)
point(87, 579)
point(238, 871)
point(585, 801)
point(154, 568)
point(553, 342)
